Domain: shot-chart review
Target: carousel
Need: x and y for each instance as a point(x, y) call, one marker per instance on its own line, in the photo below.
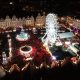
point(23, 36)
point(25, 50)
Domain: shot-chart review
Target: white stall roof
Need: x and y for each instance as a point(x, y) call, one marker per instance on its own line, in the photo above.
point(66, 35)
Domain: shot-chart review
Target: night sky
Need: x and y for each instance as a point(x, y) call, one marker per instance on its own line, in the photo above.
point(22, 8)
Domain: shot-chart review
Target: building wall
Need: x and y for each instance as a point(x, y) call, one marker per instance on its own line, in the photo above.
point(14, 22)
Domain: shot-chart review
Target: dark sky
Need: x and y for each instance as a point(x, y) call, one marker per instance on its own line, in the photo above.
point(28, 7)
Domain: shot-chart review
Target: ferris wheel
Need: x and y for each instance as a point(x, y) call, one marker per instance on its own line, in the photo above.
point(51, 29)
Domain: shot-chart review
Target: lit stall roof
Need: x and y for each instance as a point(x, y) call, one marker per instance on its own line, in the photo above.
point(66, 35)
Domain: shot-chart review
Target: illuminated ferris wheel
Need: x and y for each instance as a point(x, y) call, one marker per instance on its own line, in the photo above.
point(51, 29)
